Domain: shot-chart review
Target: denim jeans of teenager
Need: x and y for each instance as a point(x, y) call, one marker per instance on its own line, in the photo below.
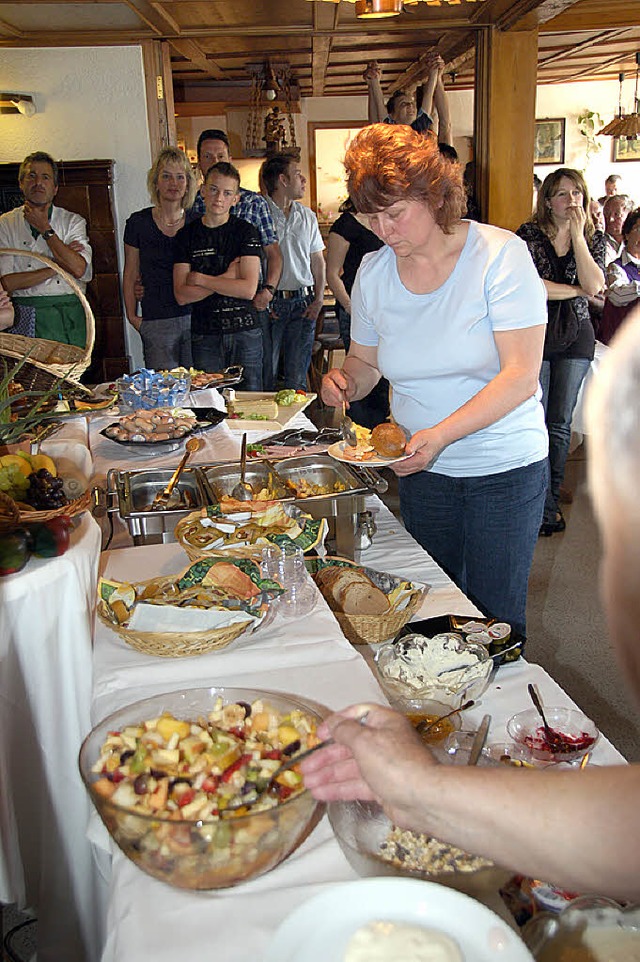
point(166, 343)
point(482, 531)
point(214, 352)
point(268, 383)
point(294, 334)
point(560, 379)
point(374, 408)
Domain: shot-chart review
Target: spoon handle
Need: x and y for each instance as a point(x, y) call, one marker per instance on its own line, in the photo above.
point(243, 458)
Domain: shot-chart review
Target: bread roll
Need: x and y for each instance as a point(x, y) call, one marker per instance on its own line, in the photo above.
point(388, 440)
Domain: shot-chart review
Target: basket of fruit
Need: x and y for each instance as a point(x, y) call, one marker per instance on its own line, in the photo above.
point(32, 490)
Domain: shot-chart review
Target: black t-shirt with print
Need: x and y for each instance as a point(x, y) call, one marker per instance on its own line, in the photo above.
point(210, 250)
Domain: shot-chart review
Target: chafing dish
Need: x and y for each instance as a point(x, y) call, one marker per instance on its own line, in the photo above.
point(342, 508)
point(131, 493)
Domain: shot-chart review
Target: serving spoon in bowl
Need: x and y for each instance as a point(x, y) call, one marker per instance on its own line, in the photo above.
point(425, 726)
point(555, 740)
point(162, 499)
point(243, 491)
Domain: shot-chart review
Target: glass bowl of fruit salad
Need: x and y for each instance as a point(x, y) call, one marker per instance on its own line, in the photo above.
point(184, 782)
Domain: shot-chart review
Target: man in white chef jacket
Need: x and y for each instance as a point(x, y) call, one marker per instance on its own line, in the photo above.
point(39, 226)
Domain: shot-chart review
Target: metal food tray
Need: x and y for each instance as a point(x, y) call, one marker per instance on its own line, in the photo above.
point(131, 492)
point(220, 480)
point(319, 469)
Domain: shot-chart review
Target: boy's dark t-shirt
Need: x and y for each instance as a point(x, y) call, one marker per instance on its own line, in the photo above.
point(210, 250)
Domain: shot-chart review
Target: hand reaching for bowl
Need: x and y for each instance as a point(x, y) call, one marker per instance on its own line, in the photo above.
point(379, 761)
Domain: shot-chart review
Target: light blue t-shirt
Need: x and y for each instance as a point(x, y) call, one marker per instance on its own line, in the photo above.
point(438, 349)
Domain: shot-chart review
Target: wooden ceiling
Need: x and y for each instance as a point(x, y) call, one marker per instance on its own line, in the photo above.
point(214, 44)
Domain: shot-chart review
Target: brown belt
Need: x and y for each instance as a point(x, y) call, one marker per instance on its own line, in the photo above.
point(289, 295)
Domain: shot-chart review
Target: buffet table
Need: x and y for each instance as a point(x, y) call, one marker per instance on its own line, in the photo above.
point(45, 693)
point(147, 918)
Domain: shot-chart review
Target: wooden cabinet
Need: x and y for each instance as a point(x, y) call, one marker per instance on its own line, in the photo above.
point(86, 187)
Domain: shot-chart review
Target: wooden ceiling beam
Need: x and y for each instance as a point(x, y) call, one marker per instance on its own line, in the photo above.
point(593, 69)
point(325, 17)
point(146, 13)
point(196, 55)
point(6, 29)
point(585, 45)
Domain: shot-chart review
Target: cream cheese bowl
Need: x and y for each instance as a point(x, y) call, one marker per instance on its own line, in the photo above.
point(202, 854)
point(445, 668)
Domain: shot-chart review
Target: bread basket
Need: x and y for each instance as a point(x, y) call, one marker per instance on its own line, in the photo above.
point(312, 532)
point(363, 629)
point(183, 644)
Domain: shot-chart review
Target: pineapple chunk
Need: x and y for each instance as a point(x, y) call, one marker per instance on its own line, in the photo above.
point(287, 734)
point(168, 725)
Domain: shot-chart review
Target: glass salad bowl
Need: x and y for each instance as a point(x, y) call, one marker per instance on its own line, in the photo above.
point(174, 779)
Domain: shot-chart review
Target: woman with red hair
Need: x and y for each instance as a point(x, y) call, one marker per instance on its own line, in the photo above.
point(452, 313)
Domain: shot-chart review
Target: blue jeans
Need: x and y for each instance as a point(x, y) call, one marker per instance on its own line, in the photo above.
point(374, 408)
point(482, 531)
point(214, 352)
point(268, 380)
point(560, 379)
point(166, 343)
point(295, 334)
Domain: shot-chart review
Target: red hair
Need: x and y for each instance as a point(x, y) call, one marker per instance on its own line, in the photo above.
point(386, 163)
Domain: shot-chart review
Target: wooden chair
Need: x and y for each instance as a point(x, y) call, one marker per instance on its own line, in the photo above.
point(327, 342)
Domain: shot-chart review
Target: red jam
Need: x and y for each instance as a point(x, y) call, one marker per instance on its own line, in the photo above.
point(567, 744)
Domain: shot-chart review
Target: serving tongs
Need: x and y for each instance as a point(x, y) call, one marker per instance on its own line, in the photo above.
point(347, 427)
point(162, 499)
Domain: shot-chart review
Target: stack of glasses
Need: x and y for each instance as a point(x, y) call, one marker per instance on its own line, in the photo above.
point(286, 565)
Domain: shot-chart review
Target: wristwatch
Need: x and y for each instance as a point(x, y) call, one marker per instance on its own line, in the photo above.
point(269, 287)
point(48, 233)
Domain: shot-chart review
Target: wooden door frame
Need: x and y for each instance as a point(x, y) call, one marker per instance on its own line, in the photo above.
point(312, 126)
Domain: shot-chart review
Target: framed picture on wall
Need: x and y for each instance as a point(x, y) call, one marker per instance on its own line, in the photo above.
point(624, 149)
point(549, 141)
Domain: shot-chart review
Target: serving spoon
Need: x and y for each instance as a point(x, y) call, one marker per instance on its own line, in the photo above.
point(243, 491)
point(425, 726)
point(556, 740)
point(162, 499)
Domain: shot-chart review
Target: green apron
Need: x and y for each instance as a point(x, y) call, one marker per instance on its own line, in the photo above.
point(59, 317)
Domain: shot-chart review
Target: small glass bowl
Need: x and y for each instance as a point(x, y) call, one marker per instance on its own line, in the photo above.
point(451, 693)
point(580, 926)
point(526, 729)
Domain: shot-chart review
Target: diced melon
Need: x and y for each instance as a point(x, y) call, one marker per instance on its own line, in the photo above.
point(287, 734)
point(167, 725)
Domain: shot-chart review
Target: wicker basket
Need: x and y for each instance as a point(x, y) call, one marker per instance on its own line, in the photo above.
point(60, 360)
point(172, 644)
point(11, 515)
point(253, 551)
point(370, 629)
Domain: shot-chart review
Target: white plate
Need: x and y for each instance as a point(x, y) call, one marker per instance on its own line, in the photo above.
point(319, 930)
point(377, 461)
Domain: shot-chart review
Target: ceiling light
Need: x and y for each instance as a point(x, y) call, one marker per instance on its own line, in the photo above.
point(625, 125)
point(377, 9)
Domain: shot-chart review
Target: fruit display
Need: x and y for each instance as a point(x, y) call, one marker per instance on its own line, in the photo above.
point(32, 481)
point(46, 539)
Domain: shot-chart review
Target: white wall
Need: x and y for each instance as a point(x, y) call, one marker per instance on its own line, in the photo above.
point(91, 105)
point(571, 100)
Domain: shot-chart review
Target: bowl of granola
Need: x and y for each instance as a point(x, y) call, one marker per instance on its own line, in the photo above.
point(374, 846)
point(179, 779)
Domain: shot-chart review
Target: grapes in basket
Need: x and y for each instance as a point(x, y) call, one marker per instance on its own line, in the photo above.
point(45, 491)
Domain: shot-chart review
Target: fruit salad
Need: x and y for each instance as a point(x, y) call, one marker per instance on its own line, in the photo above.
point(177, 795)
point(204, 768)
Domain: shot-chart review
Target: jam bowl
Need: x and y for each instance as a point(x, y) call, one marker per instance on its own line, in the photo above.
point(579, 734)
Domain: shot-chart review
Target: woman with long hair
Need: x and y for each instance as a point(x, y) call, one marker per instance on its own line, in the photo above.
point(569, 256)
point(452, 313)
point(149, 243)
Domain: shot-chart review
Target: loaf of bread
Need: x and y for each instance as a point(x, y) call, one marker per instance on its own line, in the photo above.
point(351, 591)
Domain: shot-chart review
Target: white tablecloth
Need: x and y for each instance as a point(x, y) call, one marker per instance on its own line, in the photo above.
point(148, 919)
point(45, 693)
